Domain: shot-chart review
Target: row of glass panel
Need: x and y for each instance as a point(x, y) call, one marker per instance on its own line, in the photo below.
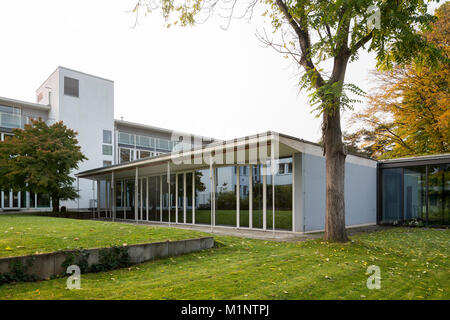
point(187, 198)
point(18, 200)
point(12, 121)
point(421, 192)
point(127, 154)
point(147, 142)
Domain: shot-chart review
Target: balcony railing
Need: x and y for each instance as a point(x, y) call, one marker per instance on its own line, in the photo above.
point(12, 121)
point(130, 139)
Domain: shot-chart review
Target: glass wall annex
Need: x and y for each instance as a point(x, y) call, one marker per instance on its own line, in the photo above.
point(235, 196)
point(416, 192)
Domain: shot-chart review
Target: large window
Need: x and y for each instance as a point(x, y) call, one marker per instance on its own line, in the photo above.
point(119, 194)
point(144, 154)
point(420, 192)
point(125, 155)
point(32, 200)
point(43, 201)
point(225, 196)
point(257, 193)
point(391, 181)
point(154, 198)
point(107, 136)
point(165, 199)
point(439, 194)
point(180, 199)
point(283, 198)
point(172, 197)
point(71, 87)
point(414, 192)
point(107, 150)
point(189, 198)
point(129, 200)
point(244, 197)
point(11, 110)
point(126, 138)
point(202, 197)
point(6, 197)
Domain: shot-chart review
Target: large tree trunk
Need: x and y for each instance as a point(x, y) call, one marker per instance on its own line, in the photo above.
point(55, 204)
point(335, 175)
point(335, 160)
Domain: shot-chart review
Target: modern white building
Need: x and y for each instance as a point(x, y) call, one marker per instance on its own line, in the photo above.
point(84, 103)
point(268, 181)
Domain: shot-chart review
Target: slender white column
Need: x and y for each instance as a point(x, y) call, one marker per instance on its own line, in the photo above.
point(193, 197)
point(264, 168)
point(124, 202)
point(211, 183)
point(169, 202)
point(176, 198)
point(98, 198)
point(160, 198)
point(146, 197)
point(136, 204)
point(78, 192)
point(238, 195)
point(140, 198)
point(113, 202)
point(250, 197)
point(273, 198)
point(184, 197)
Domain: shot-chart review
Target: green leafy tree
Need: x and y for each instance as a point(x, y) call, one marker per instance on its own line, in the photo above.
point(39, 159)
point(323, 37)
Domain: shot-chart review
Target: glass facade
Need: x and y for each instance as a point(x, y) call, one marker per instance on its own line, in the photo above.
point(257, 197)
point(189, 191)
point(154, 198)
point(202, 197)
point(180, 197)
point(187, 197)
point(43, 201)
point(416, 192)
point(173, 198)
point(165, 198)
point(225, 181)
point(391, 181)
point(244, 197)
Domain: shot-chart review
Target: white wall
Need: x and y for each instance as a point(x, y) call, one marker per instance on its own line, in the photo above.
point(89, 114)
point(360, 192)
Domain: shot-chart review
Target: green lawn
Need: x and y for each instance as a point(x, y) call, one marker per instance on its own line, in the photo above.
point(283, 218)
point(28, 234)
point(414, 265)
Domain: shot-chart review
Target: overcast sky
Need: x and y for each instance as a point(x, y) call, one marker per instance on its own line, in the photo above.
point(203, 79)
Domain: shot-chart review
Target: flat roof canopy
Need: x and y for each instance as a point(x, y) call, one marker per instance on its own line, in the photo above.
point(247, 150)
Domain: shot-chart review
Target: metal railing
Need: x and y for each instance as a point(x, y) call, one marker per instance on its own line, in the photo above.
point(130, 139)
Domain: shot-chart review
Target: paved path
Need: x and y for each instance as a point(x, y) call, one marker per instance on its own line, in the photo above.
point(253, 234)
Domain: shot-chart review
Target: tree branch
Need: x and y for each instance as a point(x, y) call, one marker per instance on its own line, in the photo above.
point(362, 42)
point(305, 44)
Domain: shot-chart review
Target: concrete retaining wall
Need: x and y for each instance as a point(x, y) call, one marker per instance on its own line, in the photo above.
point(46, 265)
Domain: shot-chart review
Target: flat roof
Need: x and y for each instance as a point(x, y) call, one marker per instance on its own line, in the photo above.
point(72, 70)
point(418, 158)
point(287, 146)
point(20, 103)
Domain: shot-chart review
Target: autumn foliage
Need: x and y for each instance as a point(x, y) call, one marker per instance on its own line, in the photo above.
point(409, 114)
